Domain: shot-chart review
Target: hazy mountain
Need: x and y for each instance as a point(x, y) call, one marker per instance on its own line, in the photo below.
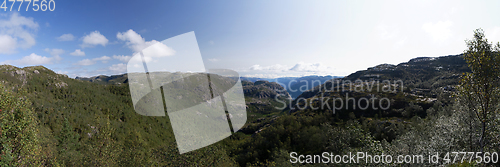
point(295, 85)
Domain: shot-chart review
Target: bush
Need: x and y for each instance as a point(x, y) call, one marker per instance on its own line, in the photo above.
point(19, 145)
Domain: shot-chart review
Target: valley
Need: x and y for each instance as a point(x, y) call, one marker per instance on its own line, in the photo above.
point(77, 117)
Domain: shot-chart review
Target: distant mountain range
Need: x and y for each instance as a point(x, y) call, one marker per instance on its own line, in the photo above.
point(293, 85)
point(296, 85)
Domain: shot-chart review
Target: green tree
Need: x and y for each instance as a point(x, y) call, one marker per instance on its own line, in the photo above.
point(68, 144)
point(19, 144)
point(480, 87)
point(103, 150)
point(412, 110)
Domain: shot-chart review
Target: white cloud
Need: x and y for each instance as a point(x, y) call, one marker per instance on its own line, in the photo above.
point(85, 72)
point(278, 70)
point(34, 59)
point(276, 67)
point(213, 60)
point(122, 58)
point(54, 52)
point(211, 42)
point(78, 52)
point(66, 37)
point(16, 32)
point(134, 40)
point(88, 62)
point(85, 62)
point(271, 75)
point(310, 67)
point(256, 67)
point(94, 38)
point(103, 59)
point(157, 49)
point(7, 44)
point(118, 68)
point(136, 43)
point(439, 31)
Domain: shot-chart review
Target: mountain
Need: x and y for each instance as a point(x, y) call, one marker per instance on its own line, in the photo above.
point(419, 108)
point(299, 85)
point(102, 79)
point(260, 96)
point(88, 124)
point(264, 89)
point(421, 80)
point(254, 79)
point(295, 85)
point(422, 76)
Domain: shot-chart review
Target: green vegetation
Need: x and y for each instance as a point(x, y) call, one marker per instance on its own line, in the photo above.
point(88, 124)
point(19, 143)
point(480, 88)
point(48, 119)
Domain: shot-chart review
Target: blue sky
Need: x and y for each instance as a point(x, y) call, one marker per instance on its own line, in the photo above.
point(256, 38)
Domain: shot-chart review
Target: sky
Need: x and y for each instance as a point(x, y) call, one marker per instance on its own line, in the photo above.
point(256, 38)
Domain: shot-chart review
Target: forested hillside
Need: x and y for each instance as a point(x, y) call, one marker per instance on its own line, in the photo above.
point(82, 123)
point(424, 114)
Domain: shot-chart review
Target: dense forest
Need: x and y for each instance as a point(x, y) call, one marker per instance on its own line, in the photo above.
point(435, 105)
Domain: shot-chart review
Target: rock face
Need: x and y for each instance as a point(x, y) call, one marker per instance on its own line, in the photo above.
point(61, 85)
point(21, 75)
